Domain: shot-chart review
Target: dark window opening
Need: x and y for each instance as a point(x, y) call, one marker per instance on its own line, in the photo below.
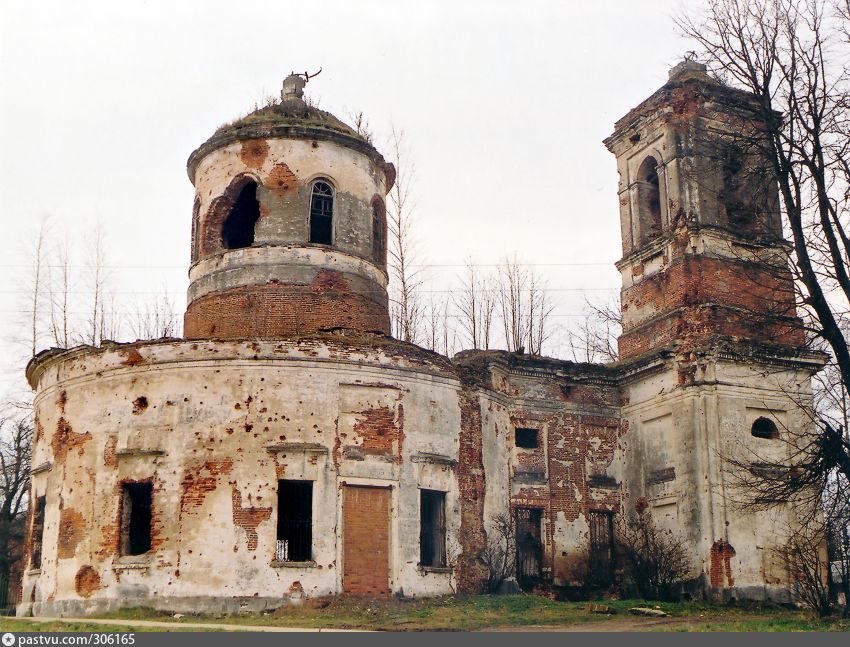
point(321, 213)
point(294, 521)
point(601, 526)
point(526, 438)
point(765, 428)
point(238, 228)
point(432, 528)
point(529, 546)
point(136, 518)
point(649, 200)
point(379, 233)
point(38, 532)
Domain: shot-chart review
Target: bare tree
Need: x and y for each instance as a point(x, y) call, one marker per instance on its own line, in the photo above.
point(594, 337)
point(102, 321)
point(15, 453)
point(499, 554)
point(59, 290)
point(656, 559)
point(476, 305)
point(524, 307)
point(156, 318)
point(791, 55)
point(406, 308)
point(35, 286)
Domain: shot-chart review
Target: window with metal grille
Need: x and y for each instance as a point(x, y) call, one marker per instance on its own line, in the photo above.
point(526, 438)
point(136, 500)
point(321, 213)
point(294, 521)
point(37, 532)
point(601, 525)
point(432, 528)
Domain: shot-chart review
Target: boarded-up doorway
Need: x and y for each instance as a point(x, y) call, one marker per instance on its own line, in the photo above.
point(366, 540)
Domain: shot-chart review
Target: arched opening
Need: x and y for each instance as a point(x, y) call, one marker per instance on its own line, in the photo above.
point(238, 228)
point(196, 228)
point(321, 213)
point(765, 428)
point(741, 191)
point(379, 232)
point(649, 200)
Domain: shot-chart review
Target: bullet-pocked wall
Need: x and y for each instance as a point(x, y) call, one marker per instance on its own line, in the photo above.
point(289, 227)
point(217, 432)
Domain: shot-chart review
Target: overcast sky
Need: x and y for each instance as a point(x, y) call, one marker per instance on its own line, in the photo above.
point(504, 106)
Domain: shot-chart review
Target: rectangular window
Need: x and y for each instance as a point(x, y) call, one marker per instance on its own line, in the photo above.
point(294, 521)
point(136, 499)
point(432, 528)
point(37, 532)
point(526, 438)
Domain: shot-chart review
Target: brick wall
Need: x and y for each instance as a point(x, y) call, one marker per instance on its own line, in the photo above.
point(279, 309)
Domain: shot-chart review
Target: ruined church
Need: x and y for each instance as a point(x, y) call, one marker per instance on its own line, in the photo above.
point(288, 447)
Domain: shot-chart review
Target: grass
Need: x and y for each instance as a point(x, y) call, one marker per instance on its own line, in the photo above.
point(19, 626)
point(469, 612)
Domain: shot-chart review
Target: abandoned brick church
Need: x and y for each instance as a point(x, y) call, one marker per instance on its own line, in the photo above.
point(289, 447)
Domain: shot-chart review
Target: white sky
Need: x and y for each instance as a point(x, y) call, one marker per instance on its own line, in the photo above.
point(504, 106)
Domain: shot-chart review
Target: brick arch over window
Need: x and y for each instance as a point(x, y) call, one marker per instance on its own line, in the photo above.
point(379, 231)
point(231, 218)
point(648, 200)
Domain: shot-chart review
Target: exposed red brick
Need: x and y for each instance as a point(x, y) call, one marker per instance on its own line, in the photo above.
point(248, 518)
point(381, 431)
point(64, 440)
point(471, 573)
point(721, 566)
point(283, 309)
point(109, 457)
point(200, 481)
point(281, 180)
point(86, 581)
point(72, 529)
point(134, 357)
point(254, 152)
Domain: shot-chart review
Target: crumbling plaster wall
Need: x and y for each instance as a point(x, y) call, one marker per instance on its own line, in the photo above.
point(214, 426)
point(680, 434)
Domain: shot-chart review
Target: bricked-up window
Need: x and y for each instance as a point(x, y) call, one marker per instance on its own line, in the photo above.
point(238, 228)
point(37, 532)
point(379, 232)
point(526, 438)
point(136, 499)
point(649, 200)
point(321, 213)
point(765, 428)
point(601, 545)
point(432, 528)
point(294, 521)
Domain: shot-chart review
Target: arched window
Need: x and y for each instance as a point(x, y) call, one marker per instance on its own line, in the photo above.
point(238, 228)
point(765, 428)
point(321, 213)
point(649, 200)
point(379, 232)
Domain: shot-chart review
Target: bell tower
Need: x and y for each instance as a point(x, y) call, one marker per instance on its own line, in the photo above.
point(714, 369)
point(288, 227)
point(703, 255)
